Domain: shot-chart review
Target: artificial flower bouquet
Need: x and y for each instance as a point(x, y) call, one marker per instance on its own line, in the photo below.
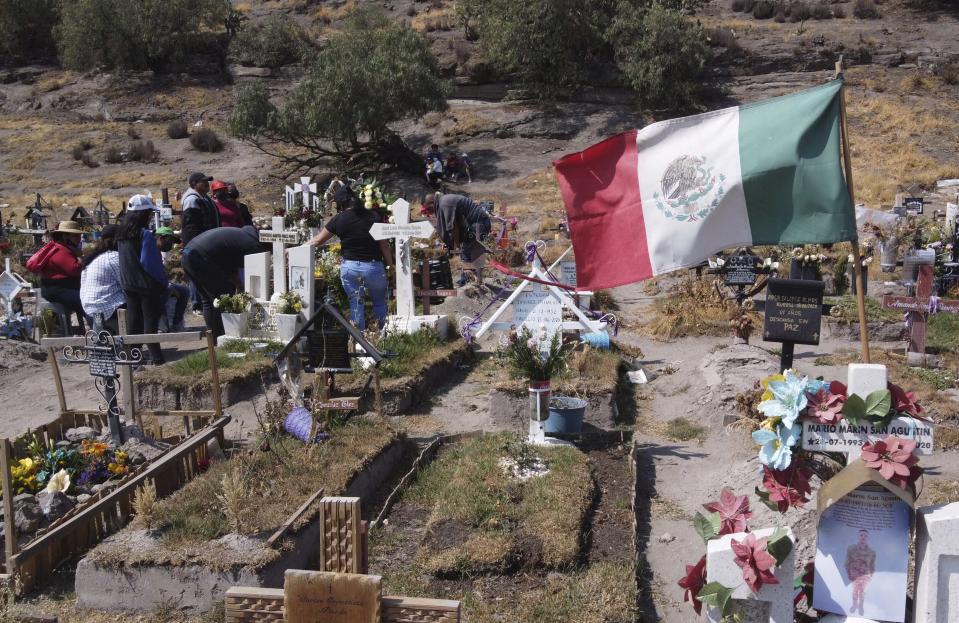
point(289, 302)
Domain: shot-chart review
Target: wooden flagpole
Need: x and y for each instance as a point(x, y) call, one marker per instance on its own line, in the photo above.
point(856, 255)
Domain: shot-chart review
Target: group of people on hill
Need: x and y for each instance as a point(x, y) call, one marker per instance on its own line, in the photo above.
point(455, 164)
point(124, 267)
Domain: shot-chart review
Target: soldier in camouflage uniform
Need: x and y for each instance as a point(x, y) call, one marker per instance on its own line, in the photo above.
point(860, 565)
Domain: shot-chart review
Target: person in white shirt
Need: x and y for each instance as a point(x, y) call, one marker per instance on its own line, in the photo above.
point(101, 293)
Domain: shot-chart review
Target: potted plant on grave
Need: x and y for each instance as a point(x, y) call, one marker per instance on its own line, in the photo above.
point(287, 316)
point(235, 311)
point(538, 358)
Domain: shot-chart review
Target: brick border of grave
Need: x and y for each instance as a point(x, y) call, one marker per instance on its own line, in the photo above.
point(200, 588)
point(106, 512)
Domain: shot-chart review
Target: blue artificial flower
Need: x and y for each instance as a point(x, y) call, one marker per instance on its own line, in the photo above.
point(786, 397)
point(776, 441)
point(813, 386)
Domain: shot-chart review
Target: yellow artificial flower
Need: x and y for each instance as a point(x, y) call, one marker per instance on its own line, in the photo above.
point(768, 395)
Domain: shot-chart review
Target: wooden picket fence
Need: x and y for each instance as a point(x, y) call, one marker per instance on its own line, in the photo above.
point(31, 564)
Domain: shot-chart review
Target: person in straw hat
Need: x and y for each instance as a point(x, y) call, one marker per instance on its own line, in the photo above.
point(58, 264)
point(142, 273)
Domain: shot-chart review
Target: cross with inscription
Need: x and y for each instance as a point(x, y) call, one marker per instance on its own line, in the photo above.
point(104, 352)
point(281, 238)
point(402, 229)
point(918, 309)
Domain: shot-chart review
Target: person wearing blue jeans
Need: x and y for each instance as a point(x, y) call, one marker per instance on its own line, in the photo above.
point(362, 271)
point(360, 278)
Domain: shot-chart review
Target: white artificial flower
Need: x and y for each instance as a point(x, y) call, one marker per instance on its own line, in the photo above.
point(720, 261)
point(775, 265)
point(768, 262)
point(216, 303)
point(850, 257)
point(59, 482)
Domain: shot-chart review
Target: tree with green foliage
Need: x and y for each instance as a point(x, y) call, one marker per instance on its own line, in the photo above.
point(272, 43)
point(663, 56)
point(26, 30)
point(546, 45)
point(554, 46)
point(124, 35)
point(372, 74)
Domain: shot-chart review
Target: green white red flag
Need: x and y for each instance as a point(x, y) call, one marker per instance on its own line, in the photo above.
point(666, 197)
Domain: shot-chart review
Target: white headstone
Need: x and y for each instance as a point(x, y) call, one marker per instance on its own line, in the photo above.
point(302, 266)
point(256, 275)
point(772, 604)
point(289, 198)
point(937, 565)
point(952, 211)
point(865, 378)
point(281, 238)
point(567, 273)
point(537, 309)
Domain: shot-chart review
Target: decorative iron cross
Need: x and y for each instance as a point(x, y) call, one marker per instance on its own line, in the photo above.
point(104, 352)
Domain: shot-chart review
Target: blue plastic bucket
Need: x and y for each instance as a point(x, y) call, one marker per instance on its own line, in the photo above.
point(597, 339)
point(565, 415)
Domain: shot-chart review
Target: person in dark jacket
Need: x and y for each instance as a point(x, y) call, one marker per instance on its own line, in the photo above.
point(462, 224)
point(199, 211)
point(213, 261)
point(243, 209)
point(142, 273)
point(59, 266)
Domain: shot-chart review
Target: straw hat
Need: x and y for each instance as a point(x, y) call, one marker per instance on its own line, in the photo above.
point(68, 227)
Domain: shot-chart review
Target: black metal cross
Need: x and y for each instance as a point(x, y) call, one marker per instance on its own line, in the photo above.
point(104, 352)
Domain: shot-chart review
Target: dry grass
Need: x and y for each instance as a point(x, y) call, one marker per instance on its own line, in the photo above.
point(468, 122)
point(145, 505)
point(193, 518)
point(941, 492)
point(747, 404)
point(693, 307)
point(891, 140)
point(436, 19)
point(483, 519)
point(327, 15)
point(541, 196)
point(589, 372)
point(603, 593)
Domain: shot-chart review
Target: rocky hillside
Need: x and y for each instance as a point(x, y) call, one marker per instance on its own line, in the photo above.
point(70, 136)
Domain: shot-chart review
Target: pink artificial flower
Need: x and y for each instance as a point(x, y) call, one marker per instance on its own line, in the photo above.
point(694, 582)
point(825, 407)
point(894, 460)
point(903, 401)
point(733, 511)
point(789, 487)
point(755, 561)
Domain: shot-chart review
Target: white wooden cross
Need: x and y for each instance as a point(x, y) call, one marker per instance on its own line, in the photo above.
point(281, 238)
point(310, 200)
point(582, 322)
point(402, 229)
point(11, 284)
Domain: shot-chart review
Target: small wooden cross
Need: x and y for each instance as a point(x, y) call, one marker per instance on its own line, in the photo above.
point(918, 309)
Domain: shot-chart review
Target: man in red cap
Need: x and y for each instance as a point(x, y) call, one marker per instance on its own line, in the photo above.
point(231, 214)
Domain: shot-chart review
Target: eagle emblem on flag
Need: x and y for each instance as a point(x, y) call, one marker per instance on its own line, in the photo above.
point(690, 189)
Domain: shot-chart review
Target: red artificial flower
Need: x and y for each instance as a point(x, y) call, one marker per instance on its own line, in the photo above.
point(755, 561)
point(893, 459)
point(694, 581)
point(825, 407)
point(788, 487)
point(838, 389)
point(733, 511)
point(903, 401)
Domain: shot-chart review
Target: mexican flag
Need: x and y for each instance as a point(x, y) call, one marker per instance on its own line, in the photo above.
point(668, 196)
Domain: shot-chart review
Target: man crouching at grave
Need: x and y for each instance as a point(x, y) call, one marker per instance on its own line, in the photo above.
point(362, 269)
point(213, 261)
point(462, 224)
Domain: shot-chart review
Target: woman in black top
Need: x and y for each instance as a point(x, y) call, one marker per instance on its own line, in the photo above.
point(362, 268)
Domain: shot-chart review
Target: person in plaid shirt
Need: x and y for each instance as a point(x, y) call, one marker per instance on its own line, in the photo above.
point(100, 291)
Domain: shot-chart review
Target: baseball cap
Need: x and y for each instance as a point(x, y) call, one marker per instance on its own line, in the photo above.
point(139, 203)
point(164, 231)
point(199, 177)
point(217, 185)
